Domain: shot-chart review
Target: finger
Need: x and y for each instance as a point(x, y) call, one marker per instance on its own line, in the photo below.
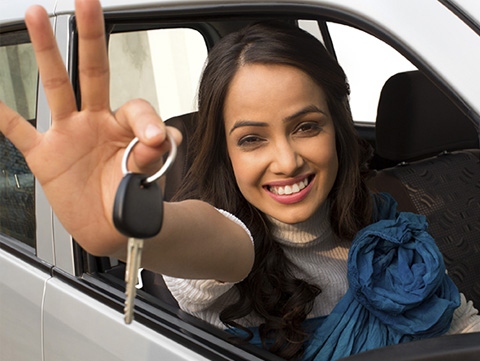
point(149, 159)
point(52, 70)
point(92, 55)
point(20, 132)
point(140, 117)
point(176, 135)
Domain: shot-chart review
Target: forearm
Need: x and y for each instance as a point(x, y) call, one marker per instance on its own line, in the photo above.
point(196, 241)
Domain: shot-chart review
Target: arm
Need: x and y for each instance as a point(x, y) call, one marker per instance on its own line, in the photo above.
point(80, 184)
point(202, 242)
point(197, 242)
point(465, 319)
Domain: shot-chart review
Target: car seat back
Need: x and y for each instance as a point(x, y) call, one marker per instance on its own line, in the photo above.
point(185, 124)
point(153, 283)
point(436, 151)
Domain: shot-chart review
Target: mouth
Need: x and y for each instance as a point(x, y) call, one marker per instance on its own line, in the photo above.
point(290, 189)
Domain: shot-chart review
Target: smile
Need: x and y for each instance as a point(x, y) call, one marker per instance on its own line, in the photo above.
point(294, 192)
point(289, 189)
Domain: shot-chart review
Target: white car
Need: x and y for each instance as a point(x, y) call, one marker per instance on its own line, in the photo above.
point(59, 303)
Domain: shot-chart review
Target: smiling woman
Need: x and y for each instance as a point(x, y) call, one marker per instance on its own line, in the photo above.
point(273, 110)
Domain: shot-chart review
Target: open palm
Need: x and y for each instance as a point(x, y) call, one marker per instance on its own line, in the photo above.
point(77, 161)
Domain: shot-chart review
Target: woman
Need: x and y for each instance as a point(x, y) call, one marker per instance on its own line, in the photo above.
point(302, 135)
point(285, 164)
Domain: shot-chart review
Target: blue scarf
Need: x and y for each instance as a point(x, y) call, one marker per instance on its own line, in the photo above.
point(398, 292)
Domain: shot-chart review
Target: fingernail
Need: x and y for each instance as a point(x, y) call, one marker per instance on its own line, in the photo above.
point(152, 131)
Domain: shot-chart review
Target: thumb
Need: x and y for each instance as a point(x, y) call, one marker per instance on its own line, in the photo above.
point(20, 132)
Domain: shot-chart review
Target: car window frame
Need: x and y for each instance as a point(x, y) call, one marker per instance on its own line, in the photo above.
point(40, 256)
point(17, 37)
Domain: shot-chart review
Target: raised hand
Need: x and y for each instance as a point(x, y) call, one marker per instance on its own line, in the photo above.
point(77, 161)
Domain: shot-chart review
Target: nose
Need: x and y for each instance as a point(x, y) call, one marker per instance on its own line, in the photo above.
point(285, 159)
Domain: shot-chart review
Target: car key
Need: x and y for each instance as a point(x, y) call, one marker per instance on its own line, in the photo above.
point(135, 248)
point(138, 214)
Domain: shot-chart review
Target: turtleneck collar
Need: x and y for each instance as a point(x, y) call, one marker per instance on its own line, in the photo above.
point(313, 230)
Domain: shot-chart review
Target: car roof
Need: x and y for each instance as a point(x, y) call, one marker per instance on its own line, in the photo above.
point(14, 11)
point(436, 33)
point(468, 7)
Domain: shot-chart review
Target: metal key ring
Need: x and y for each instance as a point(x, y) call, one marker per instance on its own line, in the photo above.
point(171, 157)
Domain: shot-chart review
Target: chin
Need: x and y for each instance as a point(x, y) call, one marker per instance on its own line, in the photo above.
point(292, 218)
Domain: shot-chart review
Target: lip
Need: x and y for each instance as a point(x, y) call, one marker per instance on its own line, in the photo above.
point(290, 198)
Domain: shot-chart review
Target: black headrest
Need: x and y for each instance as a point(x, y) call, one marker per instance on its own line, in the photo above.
point(186, 124)
point(416, 120)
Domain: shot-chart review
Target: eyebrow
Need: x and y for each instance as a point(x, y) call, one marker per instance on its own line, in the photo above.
point(247, 123)
point(308, 109)
point(250, 123)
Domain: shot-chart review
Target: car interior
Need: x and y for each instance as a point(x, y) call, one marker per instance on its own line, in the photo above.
point(427, 157)
point(434, 149)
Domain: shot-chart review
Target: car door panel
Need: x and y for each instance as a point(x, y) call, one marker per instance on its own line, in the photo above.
point(78, 327)
point(22, 289)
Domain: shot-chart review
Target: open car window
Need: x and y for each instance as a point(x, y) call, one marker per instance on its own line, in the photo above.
point(162, 66)
point(368, 63)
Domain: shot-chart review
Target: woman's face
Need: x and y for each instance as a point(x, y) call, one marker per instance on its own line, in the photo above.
point(281, 140)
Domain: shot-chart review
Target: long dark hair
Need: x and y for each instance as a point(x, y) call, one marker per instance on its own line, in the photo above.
point(270, 290)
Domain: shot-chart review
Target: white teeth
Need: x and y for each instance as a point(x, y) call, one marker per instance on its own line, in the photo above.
point(289, 189)
point(303, 184)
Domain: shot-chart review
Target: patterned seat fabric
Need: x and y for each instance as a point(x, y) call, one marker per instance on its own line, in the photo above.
point(445, 187)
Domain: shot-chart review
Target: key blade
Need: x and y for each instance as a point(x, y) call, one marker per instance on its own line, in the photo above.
point(135, 248)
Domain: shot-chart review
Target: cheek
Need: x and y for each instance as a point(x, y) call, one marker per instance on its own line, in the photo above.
point(248, 173)
point(323, 153)
point(241, 169)
point(332, 156)
point(333, 161)
point(244, 172)
point(326, 159)
point(334, 167)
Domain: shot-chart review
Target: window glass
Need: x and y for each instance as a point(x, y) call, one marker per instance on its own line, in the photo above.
point(312, 27)
point(18, 89)
point(368, 63)
point(162, 66)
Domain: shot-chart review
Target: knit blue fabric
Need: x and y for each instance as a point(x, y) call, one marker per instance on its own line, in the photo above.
point(398, 289)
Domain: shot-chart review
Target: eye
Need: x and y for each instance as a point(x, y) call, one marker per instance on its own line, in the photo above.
point(249, 141)
point(308, 129)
